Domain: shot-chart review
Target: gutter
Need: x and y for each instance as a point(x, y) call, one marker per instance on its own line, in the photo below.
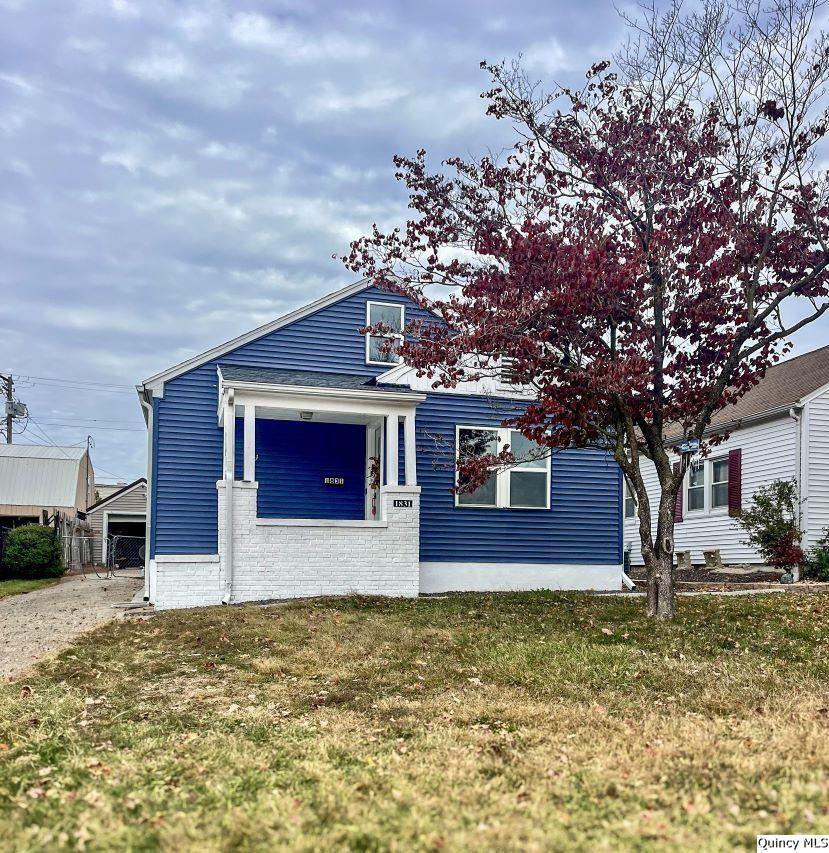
point(147, 409)
point(229, 465)
point(796, 412)
point(738, 423)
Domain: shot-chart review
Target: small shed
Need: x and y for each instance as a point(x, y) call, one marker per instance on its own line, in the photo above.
point(119, 525)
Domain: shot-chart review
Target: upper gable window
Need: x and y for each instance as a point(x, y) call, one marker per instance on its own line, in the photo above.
point(393, 318)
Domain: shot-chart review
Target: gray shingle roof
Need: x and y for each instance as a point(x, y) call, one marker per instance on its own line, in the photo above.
point(784, 384)
point(306, 378)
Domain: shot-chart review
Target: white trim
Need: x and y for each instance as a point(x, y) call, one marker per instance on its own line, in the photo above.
point(249, 444)
point(301, 391)
point(707, 508)
point(504, 577)
point(399, 336)
point(410, 449)
point(186, 558)
point(125, 490)
point(392, 435)
point(319, 522)
point(809, 397)
point(157, 381)
point(503, 482)
point(486, 386)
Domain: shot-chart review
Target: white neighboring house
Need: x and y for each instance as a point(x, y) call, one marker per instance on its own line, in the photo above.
point(778, 430)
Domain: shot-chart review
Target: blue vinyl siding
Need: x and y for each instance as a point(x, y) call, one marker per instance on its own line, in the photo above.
point(189, 452)
point(582, 525)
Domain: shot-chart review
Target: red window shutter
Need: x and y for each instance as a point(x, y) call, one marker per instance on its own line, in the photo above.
point(678, 505)
point(735, 482)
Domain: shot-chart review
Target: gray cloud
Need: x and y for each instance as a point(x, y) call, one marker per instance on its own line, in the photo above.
point(175, 173)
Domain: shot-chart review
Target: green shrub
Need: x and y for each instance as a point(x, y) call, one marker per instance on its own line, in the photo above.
point(771, 524)
point(32, 551)
point(816, 564)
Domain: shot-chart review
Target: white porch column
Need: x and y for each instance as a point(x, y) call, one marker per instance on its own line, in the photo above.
point(250, 443)
point(230, 438)
point(411, 452)
point(226, 565)
point(392, 435)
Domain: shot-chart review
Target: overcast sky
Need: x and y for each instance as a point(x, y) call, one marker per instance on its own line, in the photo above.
point(174, 174)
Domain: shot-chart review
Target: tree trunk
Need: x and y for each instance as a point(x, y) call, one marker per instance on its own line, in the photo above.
point(659, 564)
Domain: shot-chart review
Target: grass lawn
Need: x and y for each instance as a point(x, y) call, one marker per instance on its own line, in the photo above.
point(526, 722)
point(18, 586)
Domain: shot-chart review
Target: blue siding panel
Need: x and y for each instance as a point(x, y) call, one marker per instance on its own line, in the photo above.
point(581, 526)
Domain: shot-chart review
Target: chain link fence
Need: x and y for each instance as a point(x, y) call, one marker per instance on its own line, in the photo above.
point(125, 552)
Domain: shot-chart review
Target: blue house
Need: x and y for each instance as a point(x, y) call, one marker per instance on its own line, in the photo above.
point(302, 459)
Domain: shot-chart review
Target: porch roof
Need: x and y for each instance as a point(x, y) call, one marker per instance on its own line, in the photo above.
point(305, 379)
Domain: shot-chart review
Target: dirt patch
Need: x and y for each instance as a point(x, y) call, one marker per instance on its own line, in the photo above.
point(699, 574)
point(38, 623)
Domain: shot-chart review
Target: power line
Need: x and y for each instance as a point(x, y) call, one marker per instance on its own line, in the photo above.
point(63, 379)
point(46, 438)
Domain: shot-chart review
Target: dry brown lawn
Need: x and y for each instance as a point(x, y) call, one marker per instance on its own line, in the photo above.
point(525, 722)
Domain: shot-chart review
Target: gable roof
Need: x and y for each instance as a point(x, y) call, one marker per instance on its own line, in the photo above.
point(784, 385)
point(304, 378)
point(33, 475)
point(119, 494)
point(157, 381)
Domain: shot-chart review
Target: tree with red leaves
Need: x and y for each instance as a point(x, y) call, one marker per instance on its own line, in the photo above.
point(635, 254)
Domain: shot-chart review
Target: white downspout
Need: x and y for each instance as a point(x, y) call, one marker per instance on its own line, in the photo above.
point(148, 568)
point(796, 412)
point(229, 465)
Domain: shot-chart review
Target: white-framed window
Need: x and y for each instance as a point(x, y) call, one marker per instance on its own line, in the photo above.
point(523, 485)
point(392, 316)
point(706, 485)
point(630, 502)
point(719, 483)
point(696, 487)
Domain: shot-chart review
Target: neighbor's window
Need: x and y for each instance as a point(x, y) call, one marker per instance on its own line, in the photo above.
point(524, 485)
point(391, 316)
point(719, 483)
point(630, 502)
point(696, 486)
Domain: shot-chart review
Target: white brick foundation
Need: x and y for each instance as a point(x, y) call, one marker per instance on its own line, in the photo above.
point(294, 558)
point(185, 580)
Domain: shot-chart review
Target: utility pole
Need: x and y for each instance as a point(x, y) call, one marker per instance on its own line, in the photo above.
point(9, 382)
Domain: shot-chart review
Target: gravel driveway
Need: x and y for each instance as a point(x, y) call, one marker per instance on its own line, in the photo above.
point(36, 623)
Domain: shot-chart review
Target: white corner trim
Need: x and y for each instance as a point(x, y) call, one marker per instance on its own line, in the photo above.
point(318, 522)
point(186, 558)
point(216, 352)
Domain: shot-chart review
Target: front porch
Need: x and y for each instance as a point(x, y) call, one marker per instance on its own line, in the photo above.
point(318, 494)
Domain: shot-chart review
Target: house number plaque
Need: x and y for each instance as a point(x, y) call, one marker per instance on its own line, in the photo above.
point(333, 481)
point(402, 503)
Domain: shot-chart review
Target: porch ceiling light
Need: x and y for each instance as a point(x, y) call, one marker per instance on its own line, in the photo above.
point(306, 416)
